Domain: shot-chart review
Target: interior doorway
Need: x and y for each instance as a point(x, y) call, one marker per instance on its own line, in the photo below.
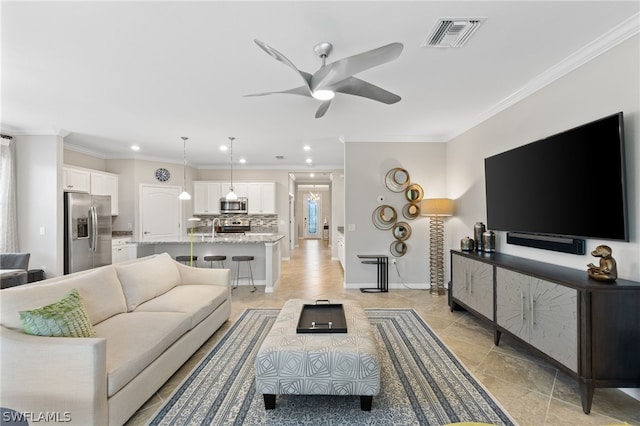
point(314, 205)
point(312, 216)
point(160, 213)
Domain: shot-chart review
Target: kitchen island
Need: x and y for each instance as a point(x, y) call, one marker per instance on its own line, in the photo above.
point(265, 248)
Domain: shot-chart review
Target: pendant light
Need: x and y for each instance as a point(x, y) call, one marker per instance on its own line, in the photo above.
point(231, 196)
point(184, 195)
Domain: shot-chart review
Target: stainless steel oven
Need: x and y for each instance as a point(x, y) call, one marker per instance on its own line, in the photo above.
point(239, 206)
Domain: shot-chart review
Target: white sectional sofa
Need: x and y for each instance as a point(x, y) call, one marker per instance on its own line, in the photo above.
point(149, 316)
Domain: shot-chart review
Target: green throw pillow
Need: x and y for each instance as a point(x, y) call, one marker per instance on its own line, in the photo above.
point(65, 318)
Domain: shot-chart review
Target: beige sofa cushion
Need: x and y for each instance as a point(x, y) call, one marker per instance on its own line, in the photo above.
point(99, 288)
point(145, 279)
point(135, 340)
point(197, 301)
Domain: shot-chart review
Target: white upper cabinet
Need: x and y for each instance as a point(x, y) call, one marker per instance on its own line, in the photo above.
point(106, 184)
point(240, 188)
point(76, 180)
point(262, 198)
point(93, 182)
point(206, 198)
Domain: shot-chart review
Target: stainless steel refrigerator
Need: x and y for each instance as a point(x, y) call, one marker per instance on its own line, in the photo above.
point(87, 231)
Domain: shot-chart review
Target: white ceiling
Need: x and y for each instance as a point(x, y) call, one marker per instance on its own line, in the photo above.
point(115, 74)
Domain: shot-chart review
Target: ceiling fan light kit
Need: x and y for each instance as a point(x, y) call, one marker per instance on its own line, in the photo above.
point(324, 95)
point(338, 76)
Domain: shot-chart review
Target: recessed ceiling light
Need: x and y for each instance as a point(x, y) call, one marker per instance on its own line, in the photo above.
point(312, 175)
point(135, 148)
point(306, 147)
point(242, 161)
point(309, 160)
point(224, 148)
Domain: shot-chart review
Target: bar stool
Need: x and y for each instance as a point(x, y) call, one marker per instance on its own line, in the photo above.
point(239, 260)
point(216, 258)
point(187, 260)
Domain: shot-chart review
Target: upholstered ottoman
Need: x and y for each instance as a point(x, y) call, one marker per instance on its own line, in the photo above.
point(289, 363)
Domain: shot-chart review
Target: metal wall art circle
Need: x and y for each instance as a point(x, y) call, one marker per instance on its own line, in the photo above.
point(411, 210)
point(397, 179)
point(398, 248)
point(401, 231)
point(384, 217)
point(414, 193)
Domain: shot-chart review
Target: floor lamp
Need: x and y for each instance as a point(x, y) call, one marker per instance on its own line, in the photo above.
point(437, 209)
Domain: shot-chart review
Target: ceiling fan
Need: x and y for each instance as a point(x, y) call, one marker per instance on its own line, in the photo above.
point(338, 76)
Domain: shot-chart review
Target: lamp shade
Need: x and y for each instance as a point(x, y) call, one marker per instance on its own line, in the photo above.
point(437, 207)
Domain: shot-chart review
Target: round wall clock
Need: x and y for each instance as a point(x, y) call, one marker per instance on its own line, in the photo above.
point(162, 174)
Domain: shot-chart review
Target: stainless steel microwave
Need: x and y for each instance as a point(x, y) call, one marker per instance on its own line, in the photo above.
point(239, 206)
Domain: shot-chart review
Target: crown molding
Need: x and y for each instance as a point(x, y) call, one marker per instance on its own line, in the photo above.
point(627, 29)
point(35, 132)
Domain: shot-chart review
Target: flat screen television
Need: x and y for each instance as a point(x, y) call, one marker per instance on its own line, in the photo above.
point(570, 184)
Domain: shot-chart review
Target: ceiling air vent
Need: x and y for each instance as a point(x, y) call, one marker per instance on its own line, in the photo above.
point(452, 32)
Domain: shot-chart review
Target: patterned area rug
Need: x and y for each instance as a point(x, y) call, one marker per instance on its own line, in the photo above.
point(422, 382)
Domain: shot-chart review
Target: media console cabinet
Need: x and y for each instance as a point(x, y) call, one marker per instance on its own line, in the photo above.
point(587, 328)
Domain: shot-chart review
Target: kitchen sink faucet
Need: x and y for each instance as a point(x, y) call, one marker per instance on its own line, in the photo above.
point(213, 226)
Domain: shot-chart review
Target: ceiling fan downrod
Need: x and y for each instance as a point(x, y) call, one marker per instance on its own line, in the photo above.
point(323, 49)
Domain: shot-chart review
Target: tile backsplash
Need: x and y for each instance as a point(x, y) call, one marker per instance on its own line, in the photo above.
point(258, 222)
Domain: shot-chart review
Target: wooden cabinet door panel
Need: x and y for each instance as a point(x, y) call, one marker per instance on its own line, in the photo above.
point(554, 321)
point(512, 302)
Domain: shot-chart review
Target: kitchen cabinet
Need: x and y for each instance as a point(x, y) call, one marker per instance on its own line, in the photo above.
point(206, 198)
point(240, 188)
point(473, 285)
point(106, 184)
point(539, 312)
point(94, 182)
point(78, 180)
point(587, 328)
point(262, 198)
point(120, 250)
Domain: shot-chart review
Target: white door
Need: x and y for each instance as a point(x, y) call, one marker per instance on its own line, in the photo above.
point(312, 214)
point(160, 213)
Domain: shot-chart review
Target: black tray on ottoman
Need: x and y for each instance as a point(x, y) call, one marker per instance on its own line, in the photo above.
point(322, 318)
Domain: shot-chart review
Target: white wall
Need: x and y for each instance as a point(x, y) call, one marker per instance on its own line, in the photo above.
point(337, 211)
point(365, 167)
point(79, 159)
point(607, 84)
point(39, 201)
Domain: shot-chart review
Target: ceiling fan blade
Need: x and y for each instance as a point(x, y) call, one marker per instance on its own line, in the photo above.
point(347, 67)
point(280, 57)
point(357, 87)
point(302, 90)
point(323, 108)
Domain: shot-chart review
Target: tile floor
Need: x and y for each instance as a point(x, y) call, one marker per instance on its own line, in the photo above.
point(533, 391)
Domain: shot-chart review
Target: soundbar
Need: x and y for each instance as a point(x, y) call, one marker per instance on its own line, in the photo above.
point(548, 242)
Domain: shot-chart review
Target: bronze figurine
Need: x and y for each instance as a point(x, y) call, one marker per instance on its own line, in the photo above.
point(607, 270)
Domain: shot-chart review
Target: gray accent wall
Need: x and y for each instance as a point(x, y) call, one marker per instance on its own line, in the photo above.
point(366, 164)
point(607, 84)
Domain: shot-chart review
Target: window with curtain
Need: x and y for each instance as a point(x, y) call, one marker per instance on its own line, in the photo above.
point(8, 213)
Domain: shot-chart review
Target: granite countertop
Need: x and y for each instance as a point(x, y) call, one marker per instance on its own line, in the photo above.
point(226, 239)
